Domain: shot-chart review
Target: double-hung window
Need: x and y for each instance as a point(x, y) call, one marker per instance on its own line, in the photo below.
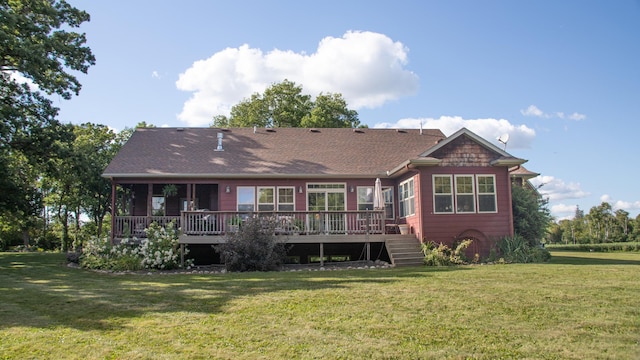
point(406, 198)
point(464, 194)
point(266, 199)
point(486, 193)
point(286, 200)
point(442, 194)
point(465, 198)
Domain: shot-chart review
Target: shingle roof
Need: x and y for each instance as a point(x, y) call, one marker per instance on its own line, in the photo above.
point(159, 152)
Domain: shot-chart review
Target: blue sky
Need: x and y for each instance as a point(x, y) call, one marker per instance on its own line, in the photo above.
point(562, 78)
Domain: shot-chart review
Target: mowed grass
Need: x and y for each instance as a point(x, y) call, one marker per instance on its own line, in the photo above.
point(579, 306)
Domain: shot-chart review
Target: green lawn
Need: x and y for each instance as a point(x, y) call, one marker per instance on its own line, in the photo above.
point(579, 306)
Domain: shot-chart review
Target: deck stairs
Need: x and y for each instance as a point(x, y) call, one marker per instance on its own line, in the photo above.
point(404, 250)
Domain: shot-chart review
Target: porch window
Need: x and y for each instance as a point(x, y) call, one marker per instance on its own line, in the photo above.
point(246, 198)
point(388, 203)
point(266, 199)
point(486, 193)
point(406, 198)
point(465, 199)
point(157, 205)
point(365, 199)
point(286, 200)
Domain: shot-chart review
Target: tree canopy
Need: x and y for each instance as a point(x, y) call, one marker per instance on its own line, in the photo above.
point(284, 105)
point(38, 53)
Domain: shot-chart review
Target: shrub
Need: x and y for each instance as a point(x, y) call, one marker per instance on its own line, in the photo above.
point(158, 251)
point(253, 247)
point(516, 249)
point(443, 255)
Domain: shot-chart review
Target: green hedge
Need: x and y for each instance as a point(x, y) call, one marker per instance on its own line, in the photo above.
point(602, 247)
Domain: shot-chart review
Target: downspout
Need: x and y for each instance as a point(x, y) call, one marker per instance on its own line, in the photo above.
point(113, 210)
point(511, 229)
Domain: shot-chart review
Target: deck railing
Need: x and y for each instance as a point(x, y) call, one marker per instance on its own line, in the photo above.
point(286, 222)
point(199, 223)
point(135, 226)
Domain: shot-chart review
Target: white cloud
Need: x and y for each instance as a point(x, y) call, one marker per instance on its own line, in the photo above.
point(520, 136)
point(563, 211)
point(620, 204)
point(534, 111)
point(577, 117)
point(556, 189)
point(155, 74)
point(367, 68)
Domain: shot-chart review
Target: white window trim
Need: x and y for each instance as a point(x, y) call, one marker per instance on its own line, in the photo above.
point(410, 198)
point(258, 203)
point(238, 203)
point(451, 194)
point(277, 197)
point(472, 194)
point(494, 193)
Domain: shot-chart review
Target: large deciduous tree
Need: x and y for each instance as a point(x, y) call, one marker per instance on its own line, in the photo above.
point(39, 53)
point(284, 105)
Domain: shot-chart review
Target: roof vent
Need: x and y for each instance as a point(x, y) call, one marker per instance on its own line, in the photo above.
point(271, 130)
point(359, 131)
point(220, 136)
point(314, 130)
point(180, 129)
point(401, 131)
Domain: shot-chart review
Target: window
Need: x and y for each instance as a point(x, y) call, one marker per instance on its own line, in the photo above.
point(246, 198)
point(442, 194)
point(465, 199)
point(486, 193)
point(266, 199)
point(286, 201)
point(406, 198)
point(388, 203)
point(157, 205)
point(469, 190)
point(365, 200)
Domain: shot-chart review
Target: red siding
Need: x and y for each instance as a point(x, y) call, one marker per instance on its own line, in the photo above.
point(484, 227)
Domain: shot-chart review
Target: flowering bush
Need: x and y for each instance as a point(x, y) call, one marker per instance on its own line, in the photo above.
point(158, 251)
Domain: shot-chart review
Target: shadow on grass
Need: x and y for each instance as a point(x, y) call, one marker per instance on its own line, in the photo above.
point(39, 290)
point(573, 260)
point(594, 258)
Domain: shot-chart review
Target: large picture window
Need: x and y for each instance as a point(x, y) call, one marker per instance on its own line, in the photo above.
point(406, 198)
point(442, 194)
point(486, 193)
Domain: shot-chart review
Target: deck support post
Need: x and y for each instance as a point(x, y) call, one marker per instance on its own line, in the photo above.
point(368, 245)
point(321, 254)
point(182, 256)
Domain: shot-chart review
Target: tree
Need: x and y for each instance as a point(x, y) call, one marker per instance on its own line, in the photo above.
point(38, 52)
point(284, 105)
point(531, 217)
point(331, 110)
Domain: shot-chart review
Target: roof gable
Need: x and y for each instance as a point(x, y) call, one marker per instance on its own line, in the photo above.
point(465, 148)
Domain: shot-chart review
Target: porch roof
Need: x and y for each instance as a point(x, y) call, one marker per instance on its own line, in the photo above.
point(280, 152)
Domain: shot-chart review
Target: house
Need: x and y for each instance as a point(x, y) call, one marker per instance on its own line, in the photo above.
point(317, 185)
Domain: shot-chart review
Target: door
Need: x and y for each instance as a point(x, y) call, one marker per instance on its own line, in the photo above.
point(327, 202)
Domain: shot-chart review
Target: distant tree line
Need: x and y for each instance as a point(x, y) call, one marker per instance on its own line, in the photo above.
point(600, 225)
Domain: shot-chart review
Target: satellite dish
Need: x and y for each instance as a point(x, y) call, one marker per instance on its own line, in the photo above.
point(504, 139)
